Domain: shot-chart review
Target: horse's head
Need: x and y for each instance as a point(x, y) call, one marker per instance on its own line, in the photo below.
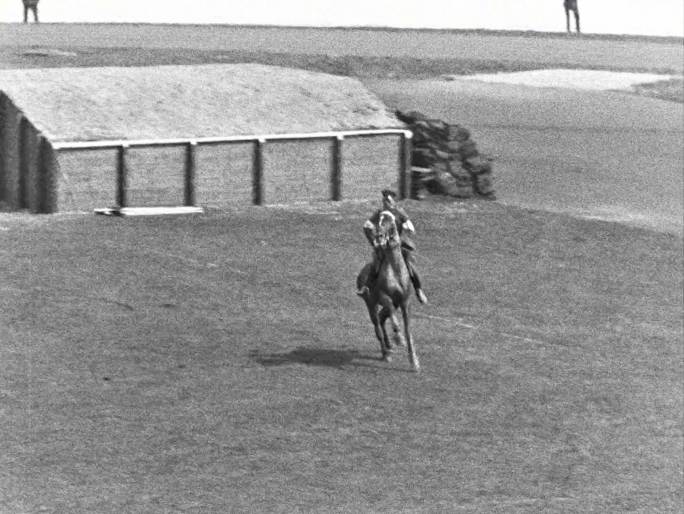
point(387, 234)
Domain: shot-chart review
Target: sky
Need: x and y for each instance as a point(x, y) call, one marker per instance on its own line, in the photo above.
point(648, 17)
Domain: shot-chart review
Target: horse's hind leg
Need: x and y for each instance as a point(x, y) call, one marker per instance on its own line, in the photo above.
point(413, 358)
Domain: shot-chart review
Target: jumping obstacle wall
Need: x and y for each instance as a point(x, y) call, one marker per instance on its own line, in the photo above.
point(289, 178)
point(78, 139)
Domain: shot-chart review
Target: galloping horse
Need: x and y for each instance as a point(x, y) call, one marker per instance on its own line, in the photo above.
point(391, 290)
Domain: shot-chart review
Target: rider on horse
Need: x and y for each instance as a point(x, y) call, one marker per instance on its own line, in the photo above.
point(405, 228)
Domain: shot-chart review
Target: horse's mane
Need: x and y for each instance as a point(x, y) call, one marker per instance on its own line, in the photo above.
point(388, 236)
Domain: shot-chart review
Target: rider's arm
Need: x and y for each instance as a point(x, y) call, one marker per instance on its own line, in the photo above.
point(408, 226)
point(369, 230)
point(406, 223)
point(370, 227)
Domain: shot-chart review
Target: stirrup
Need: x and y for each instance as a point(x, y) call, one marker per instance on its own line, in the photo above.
point(363, 291)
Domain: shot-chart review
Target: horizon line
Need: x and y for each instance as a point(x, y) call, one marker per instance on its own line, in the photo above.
point(382, 28)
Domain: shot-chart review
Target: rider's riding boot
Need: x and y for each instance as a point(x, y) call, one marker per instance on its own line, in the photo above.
point(417, 287)
point(421, 296)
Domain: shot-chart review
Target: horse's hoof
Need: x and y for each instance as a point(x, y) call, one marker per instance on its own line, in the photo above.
point(416, 364)
point(387, 357)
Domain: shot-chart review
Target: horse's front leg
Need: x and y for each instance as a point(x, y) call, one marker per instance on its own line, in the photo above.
point(385, 343)
point(376, 326)
point(398, 339)
point(380, 334)
point(413, 358)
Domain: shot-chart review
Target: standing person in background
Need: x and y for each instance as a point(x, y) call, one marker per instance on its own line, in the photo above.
point(571, 5)
point(33, 6)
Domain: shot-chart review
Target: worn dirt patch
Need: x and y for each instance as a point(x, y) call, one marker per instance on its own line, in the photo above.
point(596, 80)
point(665, 87)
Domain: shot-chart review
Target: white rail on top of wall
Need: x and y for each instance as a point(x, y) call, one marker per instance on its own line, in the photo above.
point(96, 145)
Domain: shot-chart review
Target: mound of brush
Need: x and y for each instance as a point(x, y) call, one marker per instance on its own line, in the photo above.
point(445, 159)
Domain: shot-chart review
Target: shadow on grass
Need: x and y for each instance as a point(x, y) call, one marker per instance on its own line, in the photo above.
point(319, 357)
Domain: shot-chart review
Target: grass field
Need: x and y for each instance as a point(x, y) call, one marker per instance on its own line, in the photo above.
point(222, 362)
point(617, 53)
point(610, 155)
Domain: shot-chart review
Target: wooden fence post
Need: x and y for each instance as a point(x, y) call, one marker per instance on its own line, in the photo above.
point(10, 154)
point(24, 163)
point(4, 148)
point(405, 164)
point(336, 172)
point(48, 171)
point(190, 164)
point(258, 172)
point(122, 177)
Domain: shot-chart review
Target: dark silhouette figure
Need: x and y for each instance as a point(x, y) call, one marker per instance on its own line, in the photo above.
point(31, 5)
point(571, 5)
